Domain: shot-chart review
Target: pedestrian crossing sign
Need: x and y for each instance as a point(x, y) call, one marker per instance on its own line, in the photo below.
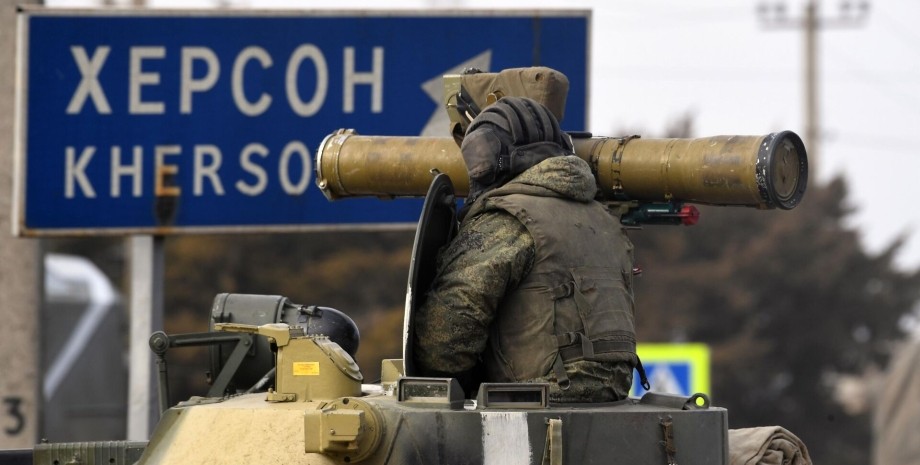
point(681, 369)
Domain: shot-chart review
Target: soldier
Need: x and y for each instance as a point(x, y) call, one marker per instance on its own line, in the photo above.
point(537, 284)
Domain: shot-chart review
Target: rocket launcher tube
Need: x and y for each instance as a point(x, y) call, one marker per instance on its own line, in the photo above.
point(764, 172)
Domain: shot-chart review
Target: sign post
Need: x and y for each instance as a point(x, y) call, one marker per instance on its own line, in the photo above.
point(146, 307)
point(20, 276)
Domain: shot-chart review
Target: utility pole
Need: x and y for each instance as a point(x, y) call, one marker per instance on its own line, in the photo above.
point(20, 272)
point(773, 17)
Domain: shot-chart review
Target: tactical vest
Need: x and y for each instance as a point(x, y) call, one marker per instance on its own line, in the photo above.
point(576, 303)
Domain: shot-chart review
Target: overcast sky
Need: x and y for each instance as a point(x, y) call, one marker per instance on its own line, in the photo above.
point(654, 61)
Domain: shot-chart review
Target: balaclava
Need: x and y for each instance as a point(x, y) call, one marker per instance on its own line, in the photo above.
point(506, 139)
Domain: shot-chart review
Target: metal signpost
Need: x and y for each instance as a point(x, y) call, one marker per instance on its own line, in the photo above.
point(146, 122)
point(20, 275)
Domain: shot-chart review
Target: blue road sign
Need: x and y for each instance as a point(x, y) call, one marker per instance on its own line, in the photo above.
point(681, 369)
point(153, 122)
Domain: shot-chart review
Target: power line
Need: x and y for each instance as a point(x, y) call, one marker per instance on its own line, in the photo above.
point(666, 72)
point(775, 17)
point(897, 30)
point(906, 100)
point(874, 143)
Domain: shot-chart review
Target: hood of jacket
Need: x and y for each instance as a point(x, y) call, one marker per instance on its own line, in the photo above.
point(564, 176)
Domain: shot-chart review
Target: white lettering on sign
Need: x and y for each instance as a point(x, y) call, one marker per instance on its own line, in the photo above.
point(89, 82)
point(75, 170)
point(304, 153)
point(352, 78)
point(162, 169)
point(138, 78)
point(189, 84)
point(210, 170)
point(254, 169)
point(302, 53)
point(239, 96)
point(206, 162)
point(134, 170)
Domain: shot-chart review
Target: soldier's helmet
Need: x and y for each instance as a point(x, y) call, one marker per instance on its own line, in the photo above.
point(507, 138)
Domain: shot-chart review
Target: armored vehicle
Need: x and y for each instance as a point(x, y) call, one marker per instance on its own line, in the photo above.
point(285, 386)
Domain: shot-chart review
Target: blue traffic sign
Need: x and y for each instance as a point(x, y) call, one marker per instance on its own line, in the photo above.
point(153, 122)
point(681, 369)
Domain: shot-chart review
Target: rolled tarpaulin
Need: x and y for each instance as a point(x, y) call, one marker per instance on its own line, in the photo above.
point(766, 445)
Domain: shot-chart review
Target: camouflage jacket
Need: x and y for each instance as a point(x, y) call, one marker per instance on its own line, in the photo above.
point(490, 256)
